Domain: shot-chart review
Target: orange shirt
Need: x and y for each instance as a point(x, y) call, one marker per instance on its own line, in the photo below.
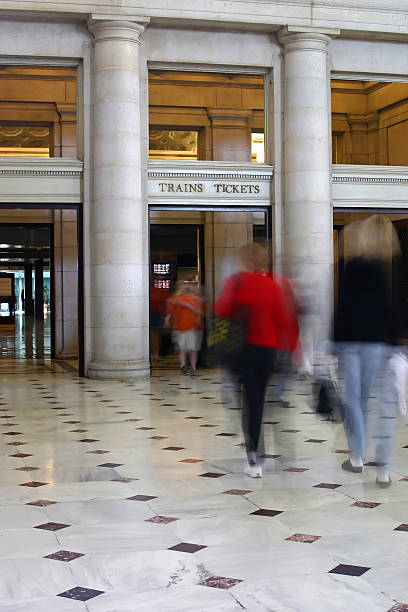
point(183, 318)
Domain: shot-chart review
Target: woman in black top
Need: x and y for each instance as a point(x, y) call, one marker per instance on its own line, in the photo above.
point(366, 329)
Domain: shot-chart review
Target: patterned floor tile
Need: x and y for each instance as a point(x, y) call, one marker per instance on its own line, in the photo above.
point(34, 484)
point(226, 434)
point(349, 570)
point(303, 537)
point(220, 582)
point(267, 456)
point(399, 607)
point(173, 448)
point(402, 527)
point(326, 485)
point(41, 503)
point(295, 469)
point(52, 526)
point(142, 498)
point(187, 547)
point(80, 593)
point(211, 475)
point(88, 440)
point(64, 555)
point(361, 504)
point(21, 455)
point(110, 465)
point(266, 512)
point(236, 492)
point(161, 519)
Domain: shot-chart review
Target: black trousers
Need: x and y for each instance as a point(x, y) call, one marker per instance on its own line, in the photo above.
point(257, 367)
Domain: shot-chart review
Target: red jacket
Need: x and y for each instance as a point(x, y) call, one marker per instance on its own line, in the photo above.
point(262, 302)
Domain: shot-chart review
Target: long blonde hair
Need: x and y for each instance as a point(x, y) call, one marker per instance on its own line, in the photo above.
point(374, 237)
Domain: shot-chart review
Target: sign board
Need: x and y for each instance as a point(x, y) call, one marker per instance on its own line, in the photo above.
point(210, 183)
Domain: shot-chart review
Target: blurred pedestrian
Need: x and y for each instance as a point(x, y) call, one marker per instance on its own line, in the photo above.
point(185, 314)
point(158, 298)
point(260, 301)
point(367, 328)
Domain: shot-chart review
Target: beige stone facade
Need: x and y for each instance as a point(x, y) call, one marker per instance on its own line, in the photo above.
point(326, 83)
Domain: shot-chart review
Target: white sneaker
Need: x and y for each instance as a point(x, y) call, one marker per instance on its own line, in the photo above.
point(254, 471)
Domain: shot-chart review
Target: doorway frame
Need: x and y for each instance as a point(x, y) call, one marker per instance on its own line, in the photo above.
point(80, 259)
point(267, 210)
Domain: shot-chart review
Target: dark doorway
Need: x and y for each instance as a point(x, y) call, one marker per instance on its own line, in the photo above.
point(46, 261)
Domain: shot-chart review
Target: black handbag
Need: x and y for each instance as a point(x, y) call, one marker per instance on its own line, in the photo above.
point(226, 337)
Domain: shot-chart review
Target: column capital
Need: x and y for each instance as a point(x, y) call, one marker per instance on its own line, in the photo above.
point(110, 27)
point(299, 38)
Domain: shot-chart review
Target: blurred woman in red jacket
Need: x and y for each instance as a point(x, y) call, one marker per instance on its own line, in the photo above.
point(269, 327)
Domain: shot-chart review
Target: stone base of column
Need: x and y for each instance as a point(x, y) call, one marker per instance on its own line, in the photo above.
point(118, 370)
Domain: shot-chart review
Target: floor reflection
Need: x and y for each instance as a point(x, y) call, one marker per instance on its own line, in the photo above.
point(26, 348)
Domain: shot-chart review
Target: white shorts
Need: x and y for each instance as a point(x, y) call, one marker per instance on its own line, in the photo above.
point(189, 340)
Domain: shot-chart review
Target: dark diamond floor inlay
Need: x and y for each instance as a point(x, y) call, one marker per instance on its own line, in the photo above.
point(211, 475)
point(123, 479)
point(52, 526)
point(187, 547)
point(236, 492)
point(349, 570)
point(266, 512)
point(361, 504)
point(303, 537)
point(33, 484)
point(142, 498)
point(295, 469)
point(80, 593)
point(41, 503)
point(110, 465)
point(64, 555)
point(402, 527)
point(326, 485)
point(173, 448)
point(220, 582)
point(161, 519)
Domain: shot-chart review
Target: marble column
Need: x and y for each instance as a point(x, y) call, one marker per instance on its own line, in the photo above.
point(119, 221)
point(308, 219)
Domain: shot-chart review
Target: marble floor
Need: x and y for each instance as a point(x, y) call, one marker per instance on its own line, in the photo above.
point(128, 497)
point(25, 348)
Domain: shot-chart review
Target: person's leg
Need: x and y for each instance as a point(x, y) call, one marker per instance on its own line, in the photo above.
point(354, 421)
point(155, 343)
point(255, 378)
point(252, 413)
point(384, 418)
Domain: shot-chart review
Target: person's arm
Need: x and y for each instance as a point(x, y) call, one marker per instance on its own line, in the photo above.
point(286, 323)
point(224, 306)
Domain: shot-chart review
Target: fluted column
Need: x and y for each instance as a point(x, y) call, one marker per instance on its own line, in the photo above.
point(308, 220)
point(119, 215)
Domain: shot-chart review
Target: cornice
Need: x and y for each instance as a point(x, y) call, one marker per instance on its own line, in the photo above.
point(210, 171)
point(385, 17)
point(370, 175)
point(46, 168)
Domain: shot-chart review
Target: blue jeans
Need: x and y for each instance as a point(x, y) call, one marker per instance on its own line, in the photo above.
point(365, 377)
